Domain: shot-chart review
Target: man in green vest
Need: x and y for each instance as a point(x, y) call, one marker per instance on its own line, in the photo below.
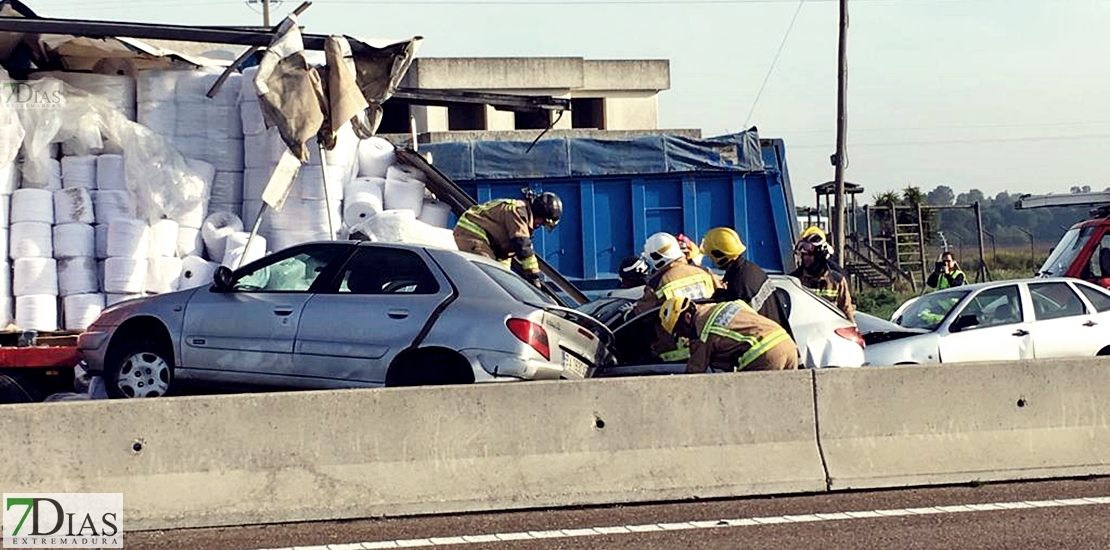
point(946, 273)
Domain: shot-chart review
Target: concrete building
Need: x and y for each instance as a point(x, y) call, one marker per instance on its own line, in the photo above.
point(608, 95)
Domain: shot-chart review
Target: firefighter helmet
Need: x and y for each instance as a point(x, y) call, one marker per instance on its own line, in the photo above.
point(548, 206)
point(672, 311)
point(661, 249)
point(723, 245)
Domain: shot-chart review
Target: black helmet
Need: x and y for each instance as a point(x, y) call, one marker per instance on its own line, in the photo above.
point(548, 206)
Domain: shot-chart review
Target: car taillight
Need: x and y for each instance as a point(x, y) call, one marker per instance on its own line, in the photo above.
point(532, 334)
point(851, 333)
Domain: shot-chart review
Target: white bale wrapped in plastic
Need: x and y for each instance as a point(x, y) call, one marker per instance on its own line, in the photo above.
point(375, 156)
point(79, 171)
point(238, 254)
point(34, 276)
point(80, 310)
point(196, 271)
point(80, 275)
point(32, 205)
point(37, 312)
point(401, 226)
point(217, 228)
point(73, 205)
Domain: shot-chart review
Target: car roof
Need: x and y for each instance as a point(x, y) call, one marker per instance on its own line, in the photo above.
point(992, 284)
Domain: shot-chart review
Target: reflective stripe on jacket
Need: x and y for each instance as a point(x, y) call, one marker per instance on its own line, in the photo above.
point(731, 335)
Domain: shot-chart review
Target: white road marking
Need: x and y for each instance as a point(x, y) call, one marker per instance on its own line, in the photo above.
point(709, 524)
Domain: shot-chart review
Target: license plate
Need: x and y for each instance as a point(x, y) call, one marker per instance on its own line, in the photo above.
point(574, 365)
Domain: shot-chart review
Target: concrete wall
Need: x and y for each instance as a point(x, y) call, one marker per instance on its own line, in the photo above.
point(894, 427)
point(270, 458)
point(631, 113)
point(265, 458)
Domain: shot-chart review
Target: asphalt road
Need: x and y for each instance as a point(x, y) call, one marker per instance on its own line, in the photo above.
point(1069, 514)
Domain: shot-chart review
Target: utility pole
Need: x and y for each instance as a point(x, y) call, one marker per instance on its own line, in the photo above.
point(265, 11)
point(838, 159)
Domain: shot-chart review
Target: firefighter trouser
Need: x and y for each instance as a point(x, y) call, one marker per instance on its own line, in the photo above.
point(783, 356)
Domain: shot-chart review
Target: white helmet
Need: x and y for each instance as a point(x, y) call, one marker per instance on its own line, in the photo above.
point(661, 249)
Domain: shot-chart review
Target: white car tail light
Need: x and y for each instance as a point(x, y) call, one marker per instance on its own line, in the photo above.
point(532, 334)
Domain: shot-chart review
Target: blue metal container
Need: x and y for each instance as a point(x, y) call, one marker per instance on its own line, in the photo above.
point(607, 216)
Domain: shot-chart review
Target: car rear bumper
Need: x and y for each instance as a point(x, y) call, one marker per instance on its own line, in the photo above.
point(498, 364)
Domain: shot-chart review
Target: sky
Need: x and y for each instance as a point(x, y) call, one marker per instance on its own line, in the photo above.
point(995, 95)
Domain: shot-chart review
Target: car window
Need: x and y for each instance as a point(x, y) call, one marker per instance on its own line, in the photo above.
point(294, 270)
point(514, 284)
point(1055, 300)
point(1098, 298)
point(385, 270)
point(929, 311)
point(995, 307)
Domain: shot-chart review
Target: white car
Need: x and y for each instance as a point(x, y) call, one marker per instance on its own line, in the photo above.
point(825, 337)
point(1018, 319)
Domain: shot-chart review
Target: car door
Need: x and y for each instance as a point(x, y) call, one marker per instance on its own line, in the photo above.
point(245, 334)
point(379, 305)
point(1001, 331)
point(1063, 326)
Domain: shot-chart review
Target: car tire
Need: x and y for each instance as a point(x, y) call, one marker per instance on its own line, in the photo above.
point(142, 368)
point(17, 389)
point(431, 368)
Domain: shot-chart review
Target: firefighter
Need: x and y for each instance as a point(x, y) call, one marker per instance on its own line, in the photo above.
point(502, 229)
point(728, 336)
point(743, 280)
point(672, 276)
point(819, 274)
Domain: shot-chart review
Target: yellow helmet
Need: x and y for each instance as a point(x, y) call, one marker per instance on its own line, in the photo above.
point(672, 310)
point(813, 234)
point(723, 245)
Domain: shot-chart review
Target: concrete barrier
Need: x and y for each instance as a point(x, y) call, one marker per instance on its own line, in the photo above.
point(268, 458)
point(904, 426)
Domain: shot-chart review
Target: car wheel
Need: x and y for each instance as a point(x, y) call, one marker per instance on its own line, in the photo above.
point(429, 368)
point(1104, 351)
point(17, 389)
point(141, 369)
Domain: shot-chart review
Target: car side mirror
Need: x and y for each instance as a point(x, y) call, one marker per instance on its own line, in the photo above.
point(223, 278)
point(962, 322)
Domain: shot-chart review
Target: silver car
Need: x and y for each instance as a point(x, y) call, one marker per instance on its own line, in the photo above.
point(1018, 319)
point(342, 315)
point(825, 337)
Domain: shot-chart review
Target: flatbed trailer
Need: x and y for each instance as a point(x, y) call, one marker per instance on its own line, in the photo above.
point(36, 365)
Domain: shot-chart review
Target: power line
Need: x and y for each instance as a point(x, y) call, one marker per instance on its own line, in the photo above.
point(774, 60)
point(950, 126)
point(963, 141)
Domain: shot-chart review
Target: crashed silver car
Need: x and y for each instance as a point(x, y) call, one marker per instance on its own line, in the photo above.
point(342, 315)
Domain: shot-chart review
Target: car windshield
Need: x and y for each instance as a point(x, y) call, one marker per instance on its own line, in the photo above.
point(514, 284)
point(929, 311)
point(1065, 252)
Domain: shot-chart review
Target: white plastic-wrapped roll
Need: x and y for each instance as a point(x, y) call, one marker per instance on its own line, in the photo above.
point(72, 240)
point(112, 299)
point(112, 205)
point(404, 171)
point(205, 170)
point(73, 205)
point(189, 242)
point(163, 239)
point(78, 276)
point(9, 178)
point(32, 205)
point(34, 276)
point(217, 227)
point(128, 239)
point(163, 275)
point(224, 122)
point(51, 180)
point(256, 152)
point(366, 185)
point(237, 253)
point(191, 121)
point(227, 188)
point(250, 115)
point(254, 182)
point(5, 211)
point(80, 310)
point(235, 209)
point(310, 180)
point(79, 171)
point(402, 193)
point(101, 231)
point(194, 216)
point(280, 240)
point(6, 305)
point(306, 215)
point(247, 91)
point(31, 240)
point(37, 312)
point(360, 206)
point(4, 242)
point(196, 271)
point(156, 85)
point(119, 90)
point(375, 156)
point(110, 173)
point(435, 213)
point(225, 154)
point(124, 275)
point(159, 116)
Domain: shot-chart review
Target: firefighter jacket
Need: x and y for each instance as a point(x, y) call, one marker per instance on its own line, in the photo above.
point(830, 285)
point(503, 224)
point(732, 336)
point(678, 278)
point(746, 281)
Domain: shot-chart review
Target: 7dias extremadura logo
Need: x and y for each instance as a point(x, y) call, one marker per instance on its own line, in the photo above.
point(63, 520)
